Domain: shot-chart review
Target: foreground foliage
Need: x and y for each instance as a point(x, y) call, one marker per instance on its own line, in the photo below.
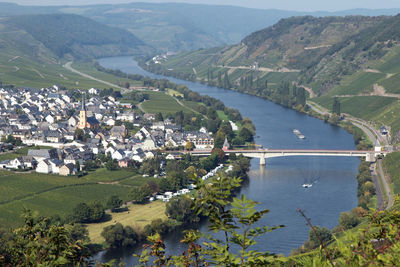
point(374, 243)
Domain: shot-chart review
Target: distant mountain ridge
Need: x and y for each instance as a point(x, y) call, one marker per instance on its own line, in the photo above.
point(183, 27)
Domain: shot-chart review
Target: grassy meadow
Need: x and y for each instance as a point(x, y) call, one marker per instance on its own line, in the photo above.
point(137, 217)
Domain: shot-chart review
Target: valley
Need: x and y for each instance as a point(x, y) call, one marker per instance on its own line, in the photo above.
point(104, 106)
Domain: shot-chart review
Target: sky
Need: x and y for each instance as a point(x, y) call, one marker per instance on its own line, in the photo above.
point(299, 5)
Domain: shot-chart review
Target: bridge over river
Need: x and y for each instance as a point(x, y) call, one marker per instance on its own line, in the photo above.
point(264, 154)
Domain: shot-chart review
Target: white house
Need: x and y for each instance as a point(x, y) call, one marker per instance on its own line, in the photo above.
point(126, 116)
point(73, 121)
point(50, 119)
point(55, 165)
point(93, 91)
point(110, 122)
point(118, 154)
point(43, 166)
point(149, 144)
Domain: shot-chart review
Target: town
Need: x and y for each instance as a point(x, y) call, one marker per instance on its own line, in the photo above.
point(64, 133)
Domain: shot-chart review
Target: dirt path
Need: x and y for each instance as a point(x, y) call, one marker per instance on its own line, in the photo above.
point(69, 67)
point(140, 107)
point(282, 70)
point(38, 73)
point(316, 47)
point(372, 71)
point(14, 58)
point(308, 89)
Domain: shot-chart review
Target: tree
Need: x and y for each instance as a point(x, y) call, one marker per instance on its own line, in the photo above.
point(118, 236)
point(318, 235)
point(82, 213)
point(112, 165)
point(159, 117)
point(79, 232)
point(78, 166)
point(301, 96)
point(39, 243)
point(97, 212)
point(140, 194)
point(179, 208)
point(219, 139)
point(189, 145)
point(80, 134)
point(336, 106)
point(348, 220)
point(114, 202)
point(245, 134)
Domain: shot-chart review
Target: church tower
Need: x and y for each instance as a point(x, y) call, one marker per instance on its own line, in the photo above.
point(82, 115)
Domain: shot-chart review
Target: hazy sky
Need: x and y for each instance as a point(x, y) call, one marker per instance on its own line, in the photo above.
point(303, 5)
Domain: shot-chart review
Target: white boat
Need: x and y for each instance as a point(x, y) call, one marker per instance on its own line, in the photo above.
point(298, 133)
point(307, 185)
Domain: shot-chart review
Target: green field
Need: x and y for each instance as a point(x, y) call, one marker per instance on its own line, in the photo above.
point(51, 194)
point(161, 102)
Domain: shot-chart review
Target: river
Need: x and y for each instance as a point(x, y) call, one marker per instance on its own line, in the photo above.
point(278, 185)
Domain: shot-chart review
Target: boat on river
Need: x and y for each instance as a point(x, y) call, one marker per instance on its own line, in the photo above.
point(298, 134)
point(307, 185)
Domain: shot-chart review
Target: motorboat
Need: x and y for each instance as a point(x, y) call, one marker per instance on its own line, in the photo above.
point(298, 134)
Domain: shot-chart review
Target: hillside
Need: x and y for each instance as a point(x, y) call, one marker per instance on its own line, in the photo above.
point(32, 57)
point(354, 58)
point(77, 36)
point(275, 53)
point(179, 26)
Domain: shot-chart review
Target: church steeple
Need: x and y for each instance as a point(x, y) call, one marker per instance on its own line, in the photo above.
point(82, 115)
point(83, 106)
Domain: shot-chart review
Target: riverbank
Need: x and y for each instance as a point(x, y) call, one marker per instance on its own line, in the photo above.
point(279, 185)
point(370, 133)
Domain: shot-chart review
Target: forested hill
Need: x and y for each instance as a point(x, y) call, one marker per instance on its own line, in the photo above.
point(77, 36)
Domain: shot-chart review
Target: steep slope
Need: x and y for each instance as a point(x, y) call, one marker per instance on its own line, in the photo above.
point(77, 36)
point(354, 58)
point(285, 49)
point(32, 57)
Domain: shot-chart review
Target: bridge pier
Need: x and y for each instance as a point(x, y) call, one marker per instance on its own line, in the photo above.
point(262, 161)
point(370, 157)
